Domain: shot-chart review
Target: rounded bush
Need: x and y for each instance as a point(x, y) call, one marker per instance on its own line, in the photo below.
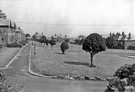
point(64, 46)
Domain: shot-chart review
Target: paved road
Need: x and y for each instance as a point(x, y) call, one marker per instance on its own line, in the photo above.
point(19, 69)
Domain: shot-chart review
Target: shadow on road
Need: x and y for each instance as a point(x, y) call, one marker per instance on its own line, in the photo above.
point(77, 63)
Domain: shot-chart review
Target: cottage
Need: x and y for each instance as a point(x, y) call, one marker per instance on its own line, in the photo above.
point(124, 41)
point(3, 32)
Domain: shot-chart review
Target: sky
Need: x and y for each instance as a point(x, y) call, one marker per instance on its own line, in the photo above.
point(71, 17)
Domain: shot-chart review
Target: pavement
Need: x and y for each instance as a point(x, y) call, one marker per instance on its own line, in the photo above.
point(18, 71)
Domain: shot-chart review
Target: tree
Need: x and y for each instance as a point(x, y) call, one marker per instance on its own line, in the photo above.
point(27, 35)
point(93, 44)
point(64, 46)
point(47, 42)
point(111, 42)
point(67, 40)
point(52, 42)
point(42, 39)
point(34, 37)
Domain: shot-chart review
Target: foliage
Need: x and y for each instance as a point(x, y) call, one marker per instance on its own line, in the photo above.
point(34, 37)
point(15, 44)
point(126, 71)
point(23, 42)
point(94, 43)
point(52, 42)
point(42, 39)
point(5, 86)
point(27, 35)
point(67, 40)
point(111, 42)
point(47, 42)
point(64, 46)
point(124, 76)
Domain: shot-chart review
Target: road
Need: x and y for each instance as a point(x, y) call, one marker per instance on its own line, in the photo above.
point(19, 69)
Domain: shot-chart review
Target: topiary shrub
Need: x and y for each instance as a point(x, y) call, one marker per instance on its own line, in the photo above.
point(52, 43)
point(64, 46)
point(15, 44)
point(47, 42)
point(93, 44)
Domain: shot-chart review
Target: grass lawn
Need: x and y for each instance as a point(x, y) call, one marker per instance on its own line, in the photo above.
point(75, 61)
point(6, 54)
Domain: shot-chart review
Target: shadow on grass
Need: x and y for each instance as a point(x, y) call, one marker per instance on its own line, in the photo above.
point(74, 51)
point(59, 53)
point(77, 63)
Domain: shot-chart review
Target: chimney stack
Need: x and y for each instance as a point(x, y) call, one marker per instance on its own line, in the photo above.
point(129, 36)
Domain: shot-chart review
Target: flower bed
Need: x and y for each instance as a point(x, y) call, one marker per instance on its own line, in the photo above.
point(6, 86)
point(123, 79)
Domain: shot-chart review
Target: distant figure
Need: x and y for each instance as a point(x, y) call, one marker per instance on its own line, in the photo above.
point(35, 53)
point(34, 47)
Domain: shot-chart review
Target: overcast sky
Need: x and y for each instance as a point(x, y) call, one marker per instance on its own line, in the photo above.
point(71, 17)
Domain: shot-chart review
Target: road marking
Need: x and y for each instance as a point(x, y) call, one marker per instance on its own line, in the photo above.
point(14, 58)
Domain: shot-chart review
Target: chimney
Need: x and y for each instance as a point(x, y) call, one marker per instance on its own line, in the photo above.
point(110, 34)
point(3, 15)
point(129, 36)
point(123, 33)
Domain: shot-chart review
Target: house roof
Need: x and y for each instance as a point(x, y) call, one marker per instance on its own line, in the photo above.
point(39, 34)
point(122, 37)
point(2, 22)
point(8, 22)
point(12, 24)
point(116, 37)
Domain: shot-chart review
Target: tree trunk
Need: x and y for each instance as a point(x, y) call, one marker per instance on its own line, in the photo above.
point(63, 51)
point(91, 57)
